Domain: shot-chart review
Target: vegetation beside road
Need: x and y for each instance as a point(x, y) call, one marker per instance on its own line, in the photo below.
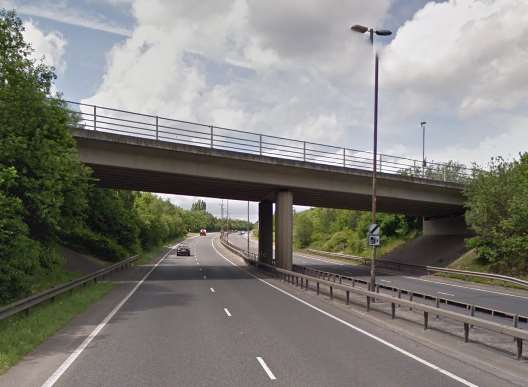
point(21, 334)
point(346, 230)
point(497, 210)
point(48, 197)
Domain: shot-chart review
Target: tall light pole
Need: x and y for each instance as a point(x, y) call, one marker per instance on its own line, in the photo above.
point(248, 229)
point(228, 221)
point(372, 31)
point(423, 147)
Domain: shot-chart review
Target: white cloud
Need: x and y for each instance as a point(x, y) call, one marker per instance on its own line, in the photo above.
point(294, 69)
point(50, 47)
point(60, 11)
point(473, 53)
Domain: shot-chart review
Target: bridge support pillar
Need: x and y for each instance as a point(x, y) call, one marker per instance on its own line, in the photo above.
point(265, 229)
point(284, 230)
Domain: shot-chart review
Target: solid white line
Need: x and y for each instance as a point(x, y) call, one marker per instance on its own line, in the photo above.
point(320, 259)
point(212, 290)
point(266, 368)
point(227, 312)
point(356, 328)
point(468, 287)
point(382, 280)
point(75, 354)
point(446, 294)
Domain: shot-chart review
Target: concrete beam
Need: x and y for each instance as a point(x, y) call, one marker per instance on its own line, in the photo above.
point(146, 165)
point(265, 241)
point(284, 230)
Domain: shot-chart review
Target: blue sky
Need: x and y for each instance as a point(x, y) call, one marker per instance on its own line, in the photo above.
point(293, 68)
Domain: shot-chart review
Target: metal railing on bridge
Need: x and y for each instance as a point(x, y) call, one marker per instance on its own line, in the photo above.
point(104, 119)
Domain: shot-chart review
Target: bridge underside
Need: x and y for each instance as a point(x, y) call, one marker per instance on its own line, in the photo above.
point(146, 165)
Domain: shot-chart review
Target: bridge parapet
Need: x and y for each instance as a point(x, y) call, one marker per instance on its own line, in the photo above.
point(117, 121)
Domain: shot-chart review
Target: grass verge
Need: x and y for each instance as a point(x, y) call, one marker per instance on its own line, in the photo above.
point(470, 262)
point(21, 334)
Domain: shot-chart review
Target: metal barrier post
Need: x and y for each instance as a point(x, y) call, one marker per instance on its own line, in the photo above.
point(260, 144)
point(304, 150)
point(212, 141)
point(95, 118)
point(157, 129)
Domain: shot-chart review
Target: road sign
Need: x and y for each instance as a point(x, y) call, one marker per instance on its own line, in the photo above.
point(373, 234)
point(373, 240)
point(373, 229)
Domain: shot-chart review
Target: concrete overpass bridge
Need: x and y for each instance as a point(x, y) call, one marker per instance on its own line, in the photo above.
point(149, 153)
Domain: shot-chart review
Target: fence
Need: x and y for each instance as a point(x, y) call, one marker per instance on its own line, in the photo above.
point(99, 118)
point(398, 266)
point(26, 304)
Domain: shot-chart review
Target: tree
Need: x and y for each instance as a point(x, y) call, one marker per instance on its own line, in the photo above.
point(199, 205)
point(303, 231)
point(497, 210)
point(45, 191)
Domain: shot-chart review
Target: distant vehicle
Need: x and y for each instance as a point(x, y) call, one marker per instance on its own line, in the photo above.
point(203, 232)
point(183, 249)
point(242, 233)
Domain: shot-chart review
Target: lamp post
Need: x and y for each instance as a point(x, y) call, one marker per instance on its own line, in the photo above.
point(423, 147)
point(248, 229)
point(362, 29)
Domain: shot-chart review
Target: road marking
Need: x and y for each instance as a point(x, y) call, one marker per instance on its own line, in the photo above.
point(447, 294)
point(387, 281)
point(266, 368)
point(75, 354)
point(212, 290)
point(319, 259)
point(468, 287)
point(227, 312)
point(354, 327)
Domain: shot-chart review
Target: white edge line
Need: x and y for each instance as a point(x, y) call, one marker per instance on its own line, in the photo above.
point(266, 368)
point(356, 328)
point(212, 290)
point(75, 354)
point(467, 287)
point(227, 312)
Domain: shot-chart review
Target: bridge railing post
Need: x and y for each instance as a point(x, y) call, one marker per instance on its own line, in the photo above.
point(95, 118)
point(212, 137)
point(157, 128)
point(260, 144)
point(344, 157)
point(304, 150)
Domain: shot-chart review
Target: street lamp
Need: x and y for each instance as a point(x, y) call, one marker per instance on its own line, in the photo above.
point(423, 146)
point(372, 31)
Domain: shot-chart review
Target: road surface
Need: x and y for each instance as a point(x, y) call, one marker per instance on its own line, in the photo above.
point(496, 298)
point(202, 321)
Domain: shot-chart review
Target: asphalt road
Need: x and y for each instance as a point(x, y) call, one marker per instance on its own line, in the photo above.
point(201, 321)
point(497, 298)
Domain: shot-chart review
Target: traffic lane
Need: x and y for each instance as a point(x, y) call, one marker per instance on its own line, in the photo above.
point(172, 331)
point(305, 347)
point(509, 303)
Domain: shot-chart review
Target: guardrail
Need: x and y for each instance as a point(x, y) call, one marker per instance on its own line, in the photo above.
point(25, 304)
point(105, 119)
point(303, 280)
point(398, 266)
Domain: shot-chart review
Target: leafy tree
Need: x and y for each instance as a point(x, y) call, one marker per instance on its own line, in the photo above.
point(497, 210)
point(43, 182)
point(303, 231)
point(199, 205)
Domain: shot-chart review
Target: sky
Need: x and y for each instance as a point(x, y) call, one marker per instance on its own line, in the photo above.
point(293, 68)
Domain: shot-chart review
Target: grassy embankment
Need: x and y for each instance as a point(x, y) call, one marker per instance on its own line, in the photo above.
point(470, 262)
point(21, 334)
